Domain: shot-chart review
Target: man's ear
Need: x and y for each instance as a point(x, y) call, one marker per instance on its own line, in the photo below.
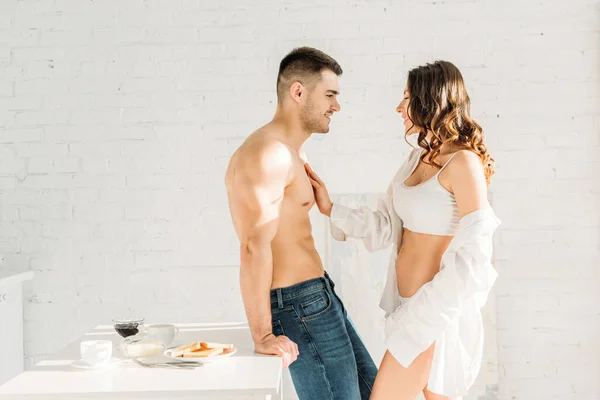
point(297, 91)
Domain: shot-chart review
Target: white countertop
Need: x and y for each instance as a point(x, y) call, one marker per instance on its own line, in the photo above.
point(245, 373)
point(9, 278)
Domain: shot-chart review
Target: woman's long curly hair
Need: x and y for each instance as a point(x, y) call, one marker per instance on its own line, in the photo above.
point(439, 103)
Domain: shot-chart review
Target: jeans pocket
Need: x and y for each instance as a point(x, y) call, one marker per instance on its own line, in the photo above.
point(315, 306)
point(277, 328)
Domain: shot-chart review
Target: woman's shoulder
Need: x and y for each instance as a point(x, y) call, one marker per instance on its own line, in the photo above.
point(464, 161)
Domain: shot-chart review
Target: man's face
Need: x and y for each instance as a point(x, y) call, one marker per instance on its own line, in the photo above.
point(321, 103)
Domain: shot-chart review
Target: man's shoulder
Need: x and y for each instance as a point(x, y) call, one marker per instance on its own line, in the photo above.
point(265, 149)
point(262, 154)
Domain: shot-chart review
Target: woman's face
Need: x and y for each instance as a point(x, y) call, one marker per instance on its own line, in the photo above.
point(409, 126)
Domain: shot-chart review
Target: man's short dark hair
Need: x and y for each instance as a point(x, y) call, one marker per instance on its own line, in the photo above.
point(303, 64)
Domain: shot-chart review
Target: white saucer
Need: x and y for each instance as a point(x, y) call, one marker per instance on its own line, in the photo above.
point(113, 362)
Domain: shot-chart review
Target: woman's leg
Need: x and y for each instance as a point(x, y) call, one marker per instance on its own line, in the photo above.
point(432, 396)
point(398, 383)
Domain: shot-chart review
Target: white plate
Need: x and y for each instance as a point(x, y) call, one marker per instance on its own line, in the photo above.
point(201, 360)
point(113, 362)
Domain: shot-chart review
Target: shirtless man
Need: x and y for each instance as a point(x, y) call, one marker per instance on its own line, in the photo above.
point(290, 302)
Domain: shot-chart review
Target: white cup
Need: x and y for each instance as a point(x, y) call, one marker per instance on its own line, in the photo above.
point(96, 352)
point(163, 332)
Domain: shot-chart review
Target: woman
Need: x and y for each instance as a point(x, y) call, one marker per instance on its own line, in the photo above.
point(437, 217)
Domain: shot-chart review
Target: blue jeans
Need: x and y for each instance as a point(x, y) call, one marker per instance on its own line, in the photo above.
point(333, 362)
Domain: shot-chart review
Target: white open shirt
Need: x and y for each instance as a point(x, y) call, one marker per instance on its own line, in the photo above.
point(446, 310)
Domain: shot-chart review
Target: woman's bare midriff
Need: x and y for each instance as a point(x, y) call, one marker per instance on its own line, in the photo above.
point(418, 260)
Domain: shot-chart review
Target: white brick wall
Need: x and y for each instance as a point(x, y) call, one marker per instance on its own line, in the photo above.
point(117, 119)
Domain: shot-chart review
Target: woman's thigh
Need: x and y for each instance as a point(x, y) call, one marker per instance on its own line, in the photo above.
point(396, 382)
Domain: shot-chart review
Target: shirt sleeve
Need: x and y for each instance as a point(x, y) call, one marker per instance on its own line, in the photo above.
point(377, 229)
point(466, 271)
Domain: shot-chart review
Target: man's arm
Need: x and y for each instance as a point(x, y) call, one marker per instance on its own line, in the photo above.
point(255, 198)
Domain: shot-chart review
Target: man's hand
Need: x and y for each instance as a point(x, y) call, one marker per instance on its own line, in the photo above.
point(279, 345)
point(321, 195)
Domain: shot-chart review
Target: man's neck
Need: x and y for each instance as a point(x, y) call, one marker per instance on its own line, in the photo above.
point(291, 129)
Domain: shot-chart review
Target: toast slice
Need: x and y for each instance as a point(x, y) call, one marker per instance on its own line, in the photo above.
point(178, 352)
point(203, 353)
point(212, 345)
